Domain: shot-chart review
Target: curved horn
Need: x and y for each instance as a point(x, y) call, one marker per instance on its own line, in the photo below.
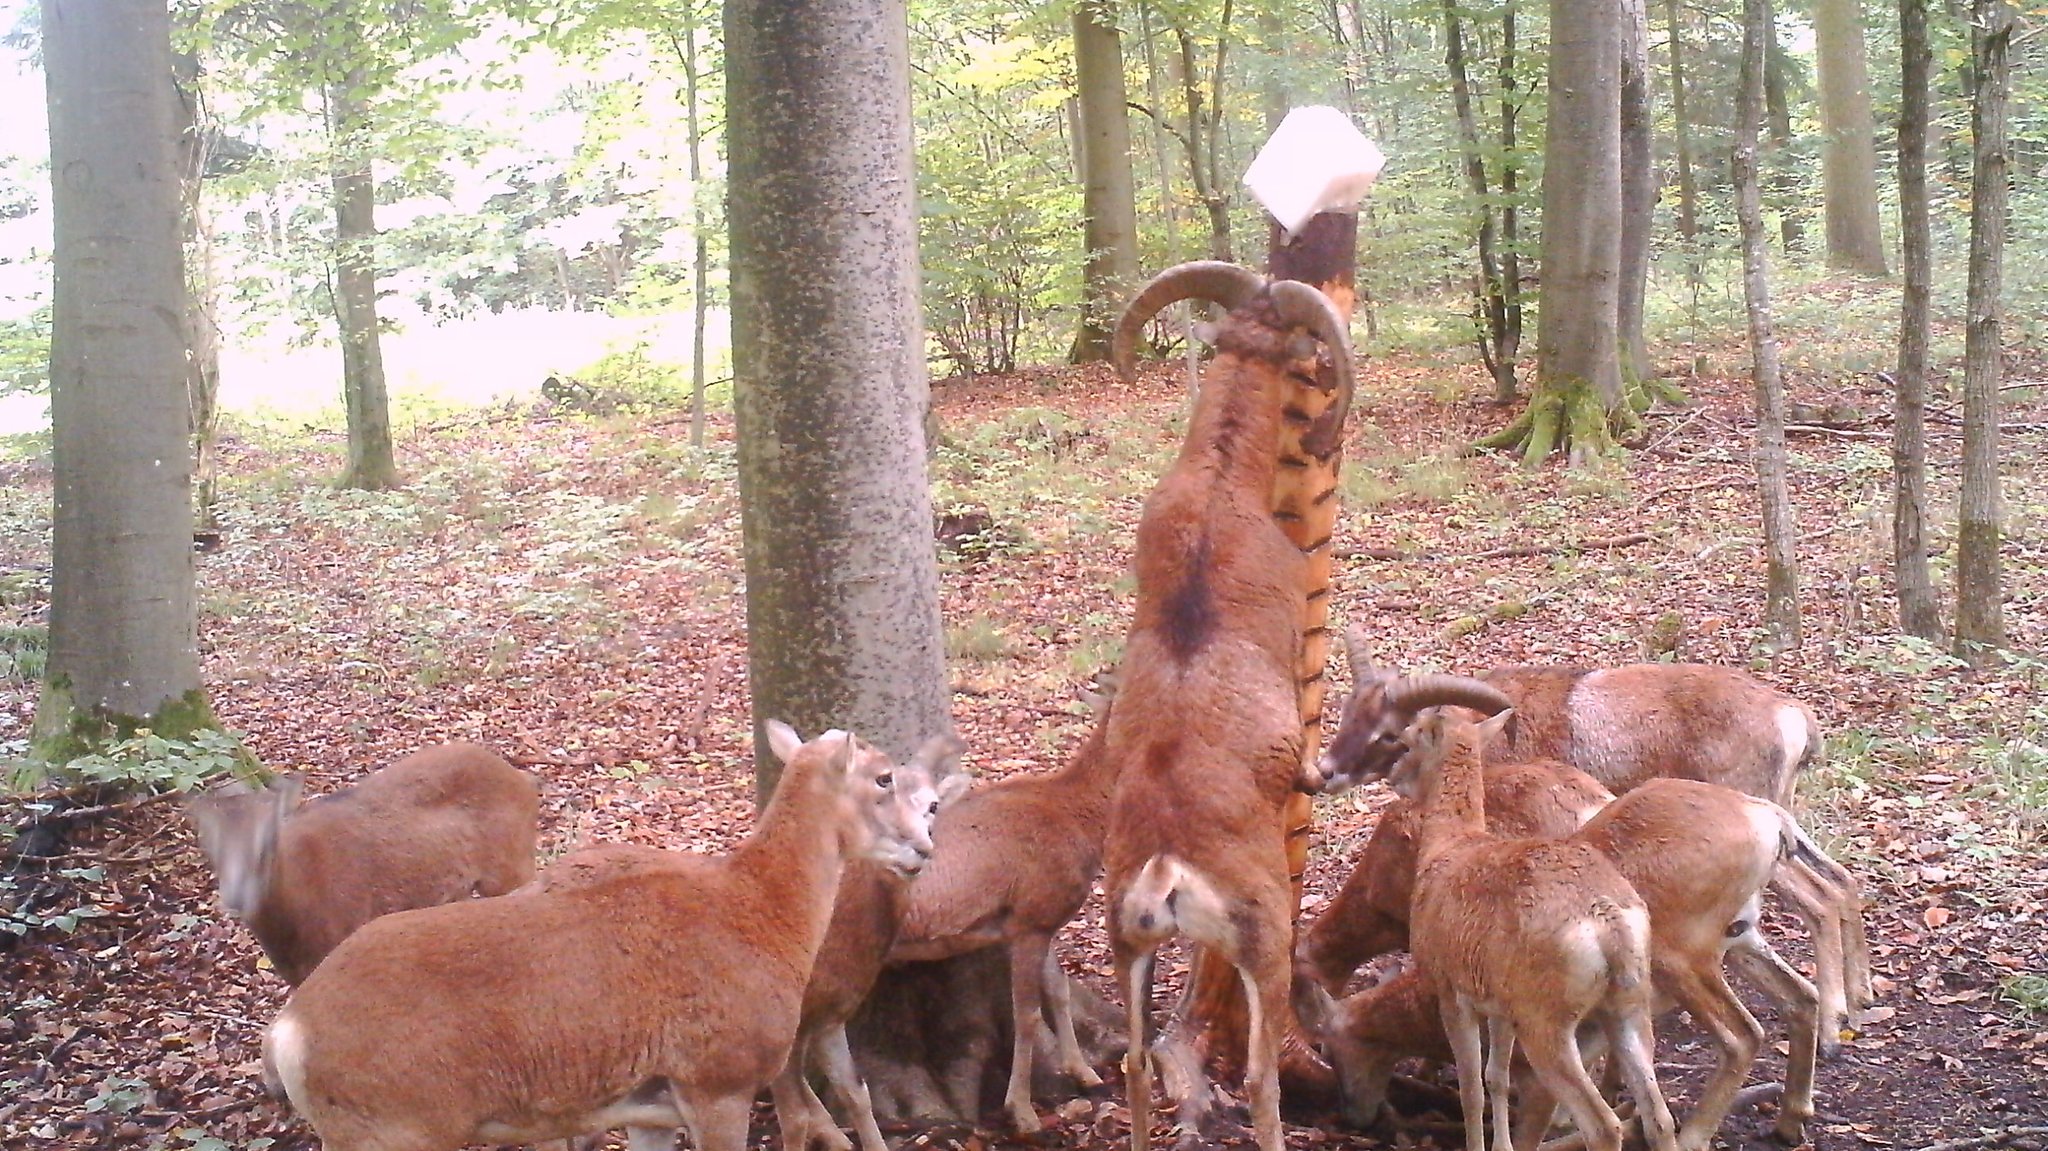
point(1411, 693)
point(1357, 648)
point(1306, 306)
point(1219, 280)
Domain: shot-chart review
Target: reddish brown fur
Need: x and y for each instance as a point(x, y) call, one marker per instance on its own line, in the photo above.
point(1620, 725)
point(439, 825)
point(635, 1000)
point(866, 915)
point(1532, 937)
point(1694, 853)
point(1369, 916)
point(1015, 861)
point(1204, 738)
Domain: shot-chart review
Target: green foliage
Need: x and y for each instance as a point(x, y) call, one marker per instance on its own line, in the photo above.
point(22, 909)
point(145, 762)
point(24, 652)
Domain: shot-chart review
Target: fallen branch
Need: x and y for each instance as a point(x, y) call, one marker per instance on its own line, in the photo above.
point(1993, 1139)
point(1703, 485)
point(1519, 551)
point(1838, 433)
point(1601, 545)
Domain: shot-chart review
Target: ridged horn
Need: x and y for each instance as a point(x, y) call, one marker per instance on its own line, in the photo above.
point(1305, 305)
point(1357, 649)
point(1219, 281)
point(1411, 693)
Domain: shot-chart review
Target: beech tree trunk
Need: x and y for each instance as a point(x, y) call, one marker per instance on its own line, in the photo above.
point(1204, 138)
point(371, 462)
point(1497, 343)
point(202, 289)
point(700, 248)
point(829, 375)
point(123, 650)
point(1578, 362)
point(1638, 191)
point(1849, 144)
point(1783, 186)
point(1919, 611)
point(1108, 200)
point(1681, 127)
point(1781, 566)
point(1980, 599)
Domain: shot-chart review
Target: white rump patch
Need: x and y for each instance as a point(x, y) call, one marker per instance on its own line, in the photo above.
point(1793, 733)
point(284, 1052)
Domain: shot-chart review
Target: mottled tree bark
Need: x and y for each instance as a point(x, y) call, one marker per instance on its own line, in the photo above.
point(829, 374)
point(1108, 199)
point(1781, 566)
point(1781, 183)
point(1638, 192)
point(1681, 127)
point(1919, 610)
point(700, 248)
point(202, 290)
point(1497, 342)
point(1849, 144)
point(1980, 597)
point(371, 462)
point(123, 650)
point(1578, 363)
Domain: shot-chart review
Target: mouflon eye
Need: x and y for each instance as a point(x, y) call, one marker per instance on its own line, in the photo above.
point(885, 781)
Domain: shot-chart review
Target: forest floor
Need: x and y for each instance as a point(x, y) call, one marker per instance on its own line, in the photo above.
point(567, 589)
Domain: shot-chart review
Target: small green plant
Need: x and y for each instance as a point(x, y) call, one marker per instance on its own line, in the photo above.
point(147, 762)
point(22, 907)
point(24, 653)
point(2030, 992)
point(979, 639)
point(118, 1095)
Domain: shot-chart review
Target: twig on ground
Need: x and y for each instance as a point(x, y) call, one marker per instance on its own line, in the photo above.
point(1990, 1139)
point(1703, 485)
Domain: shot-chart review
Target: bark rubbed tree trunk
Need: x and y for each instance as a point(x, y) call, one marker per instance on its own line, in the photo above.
point(1919, 610)
point(1980, 599)
point(1579, 382)
point(1108, 200)
point(371, 462)
point(829, 375)
point(1781, 570)
point(1510, 188)
point(700, 248)
point(1638, 193)
point(123, 650)
point(1849, 146)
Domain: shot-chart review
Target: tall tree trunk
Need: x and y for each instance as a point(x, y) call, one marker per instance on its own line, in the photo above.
point(829, 375)
point(700, 248)
point(371, 462)
point(1980, 598)
point(1510, 187)
point(1919, 610)
point(1849, 144)
point(1489, 291)
point(1781, 568)
point(1579, 383)
point(1638, 191)
point(202, 290)
point(1784, 187)
point(1681, 128)
point(1162, 148)
point(123, 650)
point(1108, 200)
point(1273, 95)
point(1204, 134)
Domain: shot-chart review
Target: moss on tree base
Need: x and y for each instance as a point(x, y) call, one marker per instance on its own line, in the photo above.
point(64, 731)
point(1563, 416)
